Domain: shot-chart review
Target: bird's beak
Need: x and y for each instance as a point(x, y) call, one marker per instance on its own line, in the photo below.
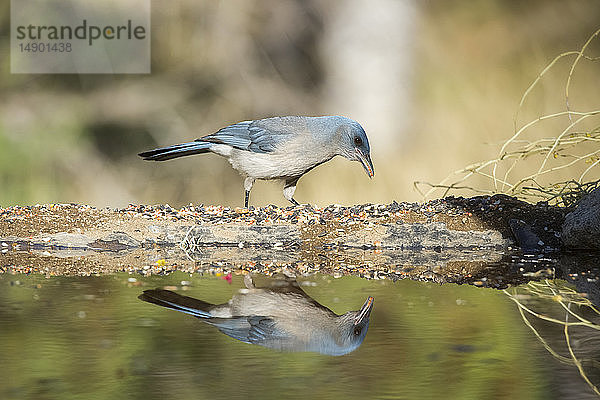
point(365, 311)
point(366, 162)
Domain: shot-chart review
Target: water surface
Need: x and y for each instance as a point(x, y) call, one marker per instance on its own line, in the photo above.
point(92, 338)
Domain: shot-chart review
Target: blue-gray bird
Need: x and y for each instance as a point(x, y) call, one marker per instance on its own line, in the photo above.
point(282, 318)
point(283, 148)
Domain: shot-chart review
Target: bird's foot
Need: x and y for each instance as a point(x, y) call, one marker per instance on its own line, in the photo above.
point(294, 202)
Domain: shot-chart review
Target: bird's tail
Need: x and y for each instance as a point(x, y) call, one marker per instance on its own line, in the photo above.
point(174, 301)
point(177, 150)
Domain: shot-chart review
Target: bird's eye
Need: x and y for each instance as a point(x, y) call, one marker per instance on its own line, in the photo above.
point(357, 330)
point(357, 141)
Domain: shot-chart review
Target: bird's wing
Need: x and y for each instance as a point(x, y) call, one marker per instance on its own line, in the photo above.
point(253, 329)
point(260, 136)
point(264, 329)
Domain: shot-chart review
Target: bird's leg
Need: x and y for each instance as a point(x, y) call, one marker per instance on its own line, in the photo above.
point(289, 189)
point(248, 182)
point(248, 281)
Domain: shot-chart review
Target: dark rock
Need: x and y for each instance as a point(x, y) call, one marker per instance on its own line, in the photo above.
point(529, 241)
point(581, 229)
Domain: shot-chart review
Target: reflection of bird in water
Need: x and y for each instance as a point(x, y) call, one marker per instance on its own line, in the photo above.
point(281, 317)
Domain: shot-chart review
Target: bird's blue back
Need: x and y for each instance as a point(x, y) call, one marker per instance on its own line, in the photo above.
point(266, 135)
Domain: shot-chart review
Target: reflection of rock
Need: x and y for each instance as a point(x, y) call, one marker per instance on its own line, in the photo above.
point(582, 270)
point(581, 229)
point(280, 317)
point(116, 241)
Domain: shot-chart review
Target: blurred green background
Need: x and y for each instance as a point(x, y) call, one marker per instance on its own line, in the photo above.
point(435, 84)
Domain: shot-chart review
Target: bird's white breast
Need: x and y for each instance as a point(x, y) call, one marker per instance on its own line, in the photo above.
point(291, 161)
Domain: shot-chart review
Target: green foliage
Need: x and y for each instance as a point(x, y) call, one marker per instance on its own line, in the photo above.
point(29, 170)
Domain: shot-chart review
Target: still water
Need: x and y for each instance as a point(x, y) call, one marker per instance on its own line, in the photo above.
point(93, 338)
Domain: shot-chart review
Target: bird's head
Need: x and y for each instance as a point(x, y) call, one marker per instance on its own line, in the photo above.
point(354, 145)
point(354, 326)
